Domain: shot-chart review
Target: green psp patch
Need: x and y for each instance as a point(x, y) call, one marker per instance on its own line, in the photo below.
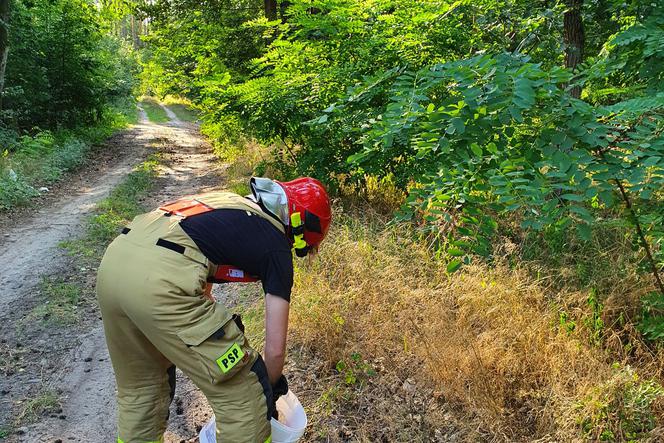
point(230, 358)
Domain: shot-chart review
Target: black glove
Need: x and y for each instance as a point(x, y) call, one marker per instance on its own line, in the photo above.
point(278, 389)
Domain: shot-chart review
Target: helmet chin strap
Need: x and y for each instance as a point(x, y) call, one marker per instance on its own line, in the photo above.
point(297, 231)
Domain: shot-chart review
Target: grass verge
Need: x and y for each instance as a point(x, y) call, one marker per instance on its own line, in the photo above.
point(114, 212)
point(61, 304)
point(153, 109)
point(10, 359)
point(30, 162)
point(183, 108)
point(184, 113)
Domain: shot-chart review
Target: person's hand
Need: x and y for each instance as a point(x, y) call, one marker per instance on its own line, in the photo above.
point(278, 389)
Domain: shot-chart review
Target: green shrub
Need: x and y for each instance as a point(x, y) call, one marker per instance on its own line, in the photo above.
point(63, 69)
point(652, 317)
point(14, 191)
point(620, 409)
point(43, 158)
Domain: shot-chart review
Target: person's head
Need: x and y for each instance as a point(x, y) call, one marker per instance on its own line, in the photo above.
point(302, 205)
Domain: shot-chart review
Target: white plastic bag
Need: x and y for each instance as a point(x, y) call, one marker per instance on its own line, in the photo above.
point(289, 428)
point(208, 433)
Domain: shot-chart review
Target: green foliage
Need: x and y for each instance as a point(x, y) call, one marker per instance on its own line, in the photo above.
point(67, 86)
point(464, 105)
point(30, 162)
point(594, 322)
point(652, 319)
point(188, 50)
point(37, 161)
point(621, 409)
point(355, 370)
point(14, 190)
point(637, 55)
point(62, 70)
point(499, 133)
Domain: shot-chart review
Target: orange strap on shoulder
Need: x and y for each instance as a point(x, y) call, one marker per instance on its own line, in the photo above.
point(189, 207)
point(186, 207)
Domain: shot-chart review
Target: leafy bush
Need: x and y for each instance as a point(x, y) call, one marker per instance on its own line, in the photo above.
point(621, 409)
point(365, 89)
point(499, 133)
point(451, 108)
point(43, 158)
point(14, 191)
point(62, 68)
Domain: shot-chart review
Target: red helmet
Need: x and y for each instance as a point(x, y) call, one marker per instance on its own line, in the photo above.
point(309, 204)
point(302, 205)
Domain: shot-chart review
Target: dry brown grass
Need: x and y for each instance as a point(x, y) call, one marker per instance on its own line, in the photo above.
point(385, 346)
point(483, 349)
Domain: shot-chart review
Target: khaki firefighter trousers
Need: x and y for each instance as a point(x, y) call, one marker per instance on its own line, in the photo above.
point(150, 288)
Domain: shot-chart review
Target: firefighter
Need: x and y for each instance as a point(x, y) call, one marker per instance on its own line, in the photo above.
point(152, 285)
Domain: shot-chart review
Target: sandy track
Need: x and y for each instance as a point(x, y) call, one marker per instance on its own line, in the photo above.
point(34, 243)
point(88, 388)
point(83, 375)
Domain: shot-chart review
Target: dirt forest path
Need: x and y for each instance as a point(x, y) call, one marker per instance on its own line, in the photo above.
point(77, 367)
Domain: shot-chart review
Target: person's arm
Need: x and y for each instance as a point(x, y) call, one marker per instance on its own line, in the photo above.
point(276, 331)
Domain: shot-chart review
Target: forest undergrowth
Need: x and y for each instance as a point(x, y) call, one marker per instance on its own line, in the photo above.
point(494, 266)
point(31, 162)
point(66, 83)
point(488, 340)
point(518, 350)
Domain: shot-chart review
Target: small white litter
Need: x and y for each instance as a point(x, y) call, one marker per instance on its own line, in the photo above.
point(44, 189)
point(289, 428)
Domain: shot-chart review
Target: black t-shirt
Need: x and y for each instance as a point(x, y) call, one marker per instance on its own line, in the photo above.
point(246, 241)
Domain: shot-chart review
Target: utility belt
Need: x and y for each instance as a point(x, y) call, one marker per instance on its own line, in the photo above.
point(216, 273)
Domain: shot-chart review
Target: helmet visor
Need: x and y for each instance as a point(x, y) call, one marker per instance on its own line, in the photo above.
point(272, 196)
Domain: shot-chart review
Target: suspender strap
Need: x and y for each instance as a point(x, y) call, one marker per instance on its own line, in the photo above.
point(187, 252)
point(160, 224)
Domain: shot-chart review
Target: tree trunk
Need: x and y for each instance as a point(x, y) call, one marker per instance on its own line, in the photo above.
point(271, 9)
point(574, 38)
point(135, 32)
point(4, 44)
point(283, 7)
